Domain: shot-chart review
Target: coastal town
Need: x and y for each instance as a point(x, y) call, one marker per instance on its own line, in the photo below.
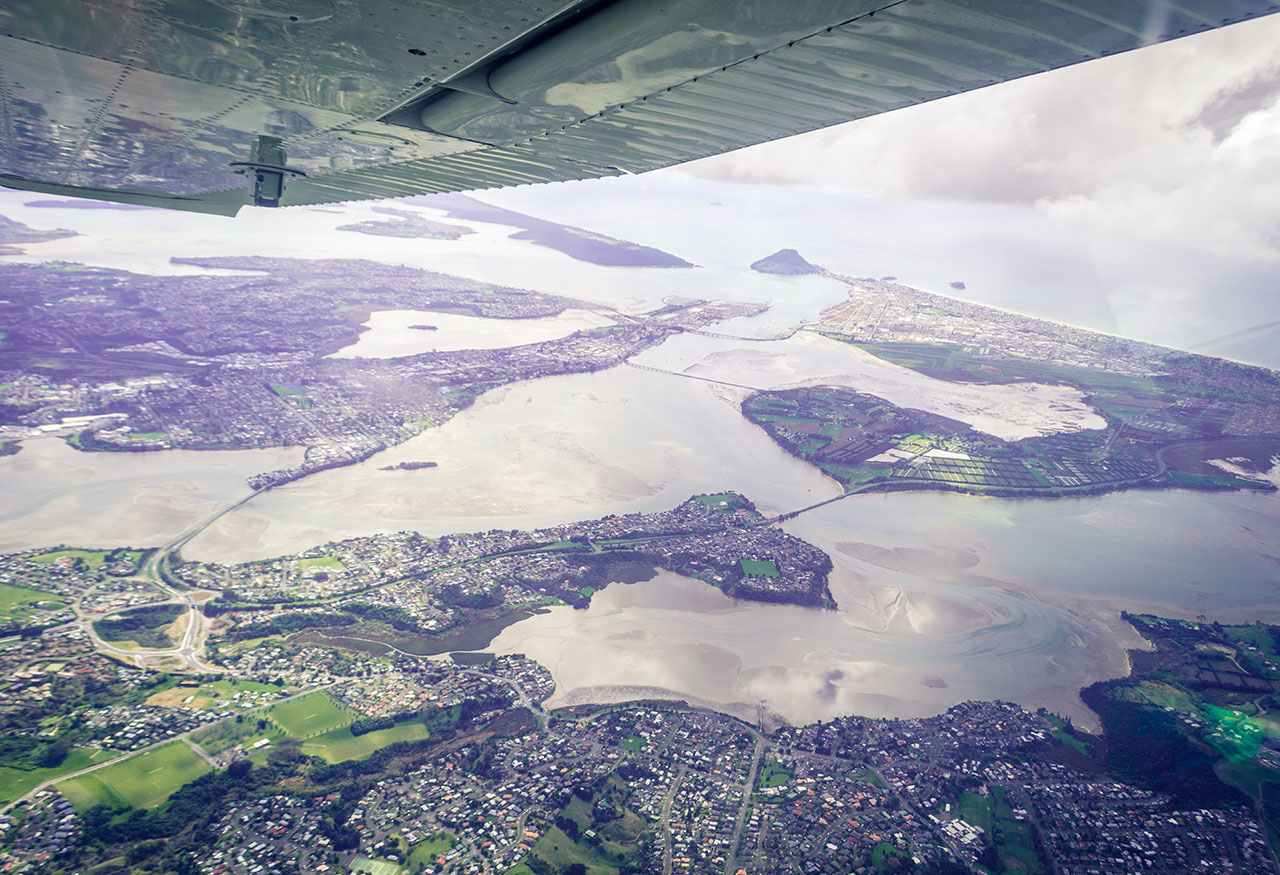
point(1153, 392)
point(886, 311)
point(415, 584)
point(331, 736)
point(348, 763)
point(243, 358)
point(1171, 418)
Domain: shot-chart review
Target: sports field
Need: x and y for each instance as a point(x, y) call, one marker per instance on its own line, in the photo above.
point(339, 745)
point(758, 568)
point(143, 781)
point(725, 502)
point(17, 782)
point(311, 715)
point(375, 867)
point(633, 742)
point(320, 562)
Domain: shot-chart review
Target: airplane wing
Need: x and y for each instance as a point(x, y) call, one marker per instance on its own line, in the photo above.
point(208, 105)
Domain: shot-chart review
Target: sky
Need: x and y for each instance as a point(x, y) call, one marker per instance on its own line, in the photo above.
point(1166, 160)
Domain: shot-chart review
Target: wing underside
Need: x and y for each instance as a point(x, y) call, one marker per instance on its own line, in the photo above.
point(153, 101)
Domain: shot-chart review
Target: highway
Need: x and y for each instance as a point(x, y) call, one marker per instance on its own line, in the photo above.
point(156, 571)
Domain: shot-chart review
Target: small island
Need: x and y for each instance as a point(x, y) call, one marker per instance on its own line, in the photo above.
point(786, 262)
point(409, 466)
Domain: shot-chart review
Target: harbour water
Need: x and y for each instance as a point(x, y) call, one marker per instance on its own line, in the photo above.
point(942, 597)
point(53, 494)
point(397, 333)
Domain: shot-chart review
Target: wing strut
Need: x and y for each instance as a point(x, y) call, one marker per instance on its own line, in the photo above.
point(266, 163)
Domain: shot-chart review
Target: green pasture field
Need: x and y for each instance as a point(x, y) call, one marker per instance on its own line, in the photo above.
point(320, 561)
point(17, 601)
point(560, 851)
point(1249, 776)
point(758, 568)
point(310, 715)
point(975, 809)
point(1258, 636)
point(226, 735)
point(209, 695)
point(579, 811)
point(15, 783)
point(143, 781)
point(427, 851)
point(339, 745)
point(1060, 733)
point(774, 774)
point(1015, 844)
point(92, 558)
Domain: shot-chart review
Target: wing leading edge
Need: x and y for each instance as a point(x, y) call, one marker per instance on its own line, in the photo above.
point(161, 102)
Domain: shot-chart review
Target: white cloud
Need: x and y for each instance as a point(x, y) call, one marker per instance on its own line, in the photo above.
point(1057, 134)
point(1165, 161)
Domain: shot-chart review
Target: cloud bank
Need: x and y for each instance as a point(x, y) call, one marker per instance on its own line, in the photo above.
point(1166, 160)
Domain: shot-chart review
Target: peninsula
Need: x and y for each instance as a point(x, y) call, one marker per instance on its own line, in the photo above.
point(869, 444)
point(577, 243)
point(234, 361)
point(1173, 418)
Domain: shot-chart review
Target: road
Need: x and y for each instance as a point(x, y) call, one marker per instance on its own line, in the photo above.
point(690, 376)
point(666, 820)
point(156, 571)
point(731, 863)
